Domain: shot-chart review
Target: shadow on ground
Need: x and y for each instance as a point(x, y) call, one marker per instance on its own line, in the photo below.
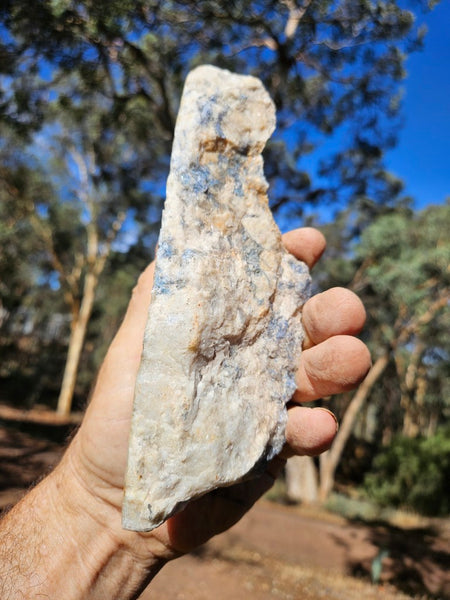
point(414, 560)
point(27, 453)
point(289, 547)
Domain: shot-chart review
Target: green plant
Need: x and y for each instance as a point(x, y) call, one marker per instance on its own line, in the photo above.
point(413, 473)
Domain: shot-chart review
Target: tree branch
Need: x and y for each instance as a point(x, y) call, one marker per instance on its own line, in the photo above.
point(414, 325)
point(112, 234)
point(295, 16)
point(45, 233)
point(329, 460)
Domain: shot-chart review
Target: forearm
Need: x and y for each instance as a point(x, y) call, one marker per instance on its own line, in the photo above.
point(59, 542)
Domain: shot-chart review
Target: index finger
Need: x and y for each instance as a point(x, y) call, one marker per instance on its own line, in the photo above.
point(306, 244)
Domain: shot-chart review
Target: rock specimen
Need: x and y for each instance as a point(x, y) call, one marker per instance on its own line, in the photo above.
point(224, 333)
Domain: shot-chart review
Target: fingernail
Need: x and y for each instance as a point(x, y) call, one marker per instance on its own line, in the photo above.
point(330, 413)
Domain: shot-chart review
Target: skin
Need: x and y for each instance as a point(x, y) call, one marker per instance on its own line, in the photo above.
point(65, 540)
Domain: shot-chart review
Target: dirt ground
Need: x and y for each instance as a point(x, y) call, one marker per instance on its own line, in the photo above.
point(275, 552)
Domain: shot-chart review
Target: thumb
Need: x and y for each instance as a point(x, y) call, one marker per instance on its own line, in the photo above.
point(131, 333)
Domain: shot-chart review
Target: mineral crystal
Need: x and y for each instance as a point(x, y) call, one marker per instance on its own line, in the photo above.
point(224, 333)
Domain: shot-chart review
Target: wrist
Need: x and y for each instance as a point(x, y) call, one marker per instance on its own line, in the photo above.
point(63, 541)
point(90, 523)
point(84, 555)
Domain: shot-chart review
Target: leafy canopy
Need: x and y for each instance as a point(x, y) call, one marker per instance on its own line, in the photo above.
point(333, 68)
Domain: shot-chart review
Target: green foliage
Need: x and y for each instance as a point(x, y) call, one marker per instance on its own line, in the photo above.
point(332, 68)
point(408, 254)
point(414, 474)
point(89, 93)
point(405, 286)
point(354, 508)
point(21, 250)
point(399, 268)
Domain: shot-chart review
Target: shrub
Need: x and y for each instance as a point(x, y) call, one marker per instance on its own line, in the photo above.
point(414, 474)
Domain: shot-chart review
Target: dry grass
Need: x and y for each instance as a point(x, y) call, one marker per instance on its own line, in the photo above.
point(292, 582)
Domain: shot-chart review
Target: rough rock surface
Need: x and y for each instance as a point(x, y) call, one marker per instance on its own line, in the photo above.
point(224, 331)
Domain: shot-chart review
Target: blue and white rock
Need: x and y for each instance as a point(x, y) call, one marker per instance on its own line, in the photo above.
point(224, 333)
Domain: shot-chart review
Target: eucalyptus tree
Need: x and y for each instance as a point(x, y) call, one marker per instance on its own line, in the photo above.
point(401, 272)
point(93, 88)
point(333, 68)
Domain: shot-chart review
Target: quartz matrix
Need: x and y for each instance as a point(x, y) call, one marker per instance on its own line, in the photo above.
point(224, 333)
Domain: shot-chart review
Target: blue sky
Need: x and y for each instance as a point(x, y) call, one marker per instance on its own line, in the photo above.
point(422, 156)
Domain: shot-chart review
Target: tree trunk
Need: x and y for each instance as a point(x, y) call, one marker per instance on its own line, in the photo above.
point(77, 336)
point(329, 460)
point(410, 427)
point(432, 423)
point(301, 479)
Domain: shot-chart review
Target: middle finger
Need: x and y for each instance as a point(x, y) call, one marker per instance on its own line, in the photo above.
point(337, 311)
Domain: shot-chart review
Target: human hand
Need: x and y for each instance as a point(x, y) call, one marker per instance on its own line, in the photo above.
point(332, 361)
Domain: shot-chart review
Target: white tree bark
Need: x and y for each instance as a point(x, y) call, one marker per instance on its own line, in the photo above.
point(301, 480)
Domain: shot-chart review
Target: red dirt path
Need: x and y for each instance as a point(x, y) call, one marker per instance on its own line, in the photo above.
point(275, 552)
